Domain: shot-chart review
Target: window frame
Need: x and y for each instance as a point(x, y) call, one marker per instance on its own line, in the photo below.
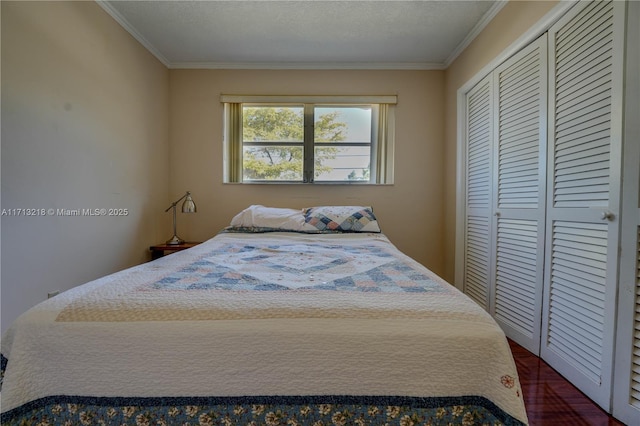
point(381, 143)
point(302, 144)
point(372, 144)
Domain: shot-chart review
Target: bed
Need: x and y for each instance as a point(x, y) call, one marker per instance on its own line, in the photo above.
point(287, 317)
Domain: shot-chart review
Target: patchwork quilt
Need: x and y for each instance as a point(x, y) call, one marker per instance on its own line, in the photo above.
point(263, 328)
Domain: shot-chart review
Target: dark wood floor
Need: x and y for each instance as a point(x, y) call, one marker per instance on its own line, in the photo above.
point(552, 400)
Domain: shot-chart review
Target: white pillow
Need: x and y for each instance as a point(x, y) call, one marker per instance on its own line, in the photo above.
point(269, 217)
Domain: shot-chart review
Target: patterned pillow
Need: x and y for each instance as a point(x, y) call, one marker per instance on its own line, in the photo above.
point(340, 218)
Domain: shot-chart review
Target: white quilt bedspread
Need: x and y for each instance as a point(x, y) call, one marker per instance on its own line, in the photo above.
point(263, 314)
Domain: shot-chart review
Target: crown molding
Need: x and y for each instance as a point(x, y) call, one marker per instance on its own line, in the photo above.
point(477, 29)
point(308, 65)
point(107, 7)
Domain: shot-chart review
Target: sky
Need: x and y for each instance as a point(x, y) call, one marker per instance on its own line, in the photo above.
point(357, 119)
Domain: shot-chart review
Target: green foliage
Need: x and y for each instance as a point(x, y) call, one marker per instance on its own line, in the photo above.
point(273, 124)
point(364, 175)
point(278, 162)
point(327, 129)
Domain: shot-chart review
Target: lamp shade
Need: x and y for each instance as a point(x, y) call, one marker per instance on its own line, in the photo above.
point(188, 206)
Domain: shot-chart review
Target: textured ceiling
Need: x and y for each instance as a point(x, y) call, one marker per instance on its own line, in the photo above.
point(304, 34)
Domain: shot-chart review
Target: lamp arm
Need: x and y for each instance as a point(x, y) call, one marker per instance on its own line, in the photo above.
point(175, 203)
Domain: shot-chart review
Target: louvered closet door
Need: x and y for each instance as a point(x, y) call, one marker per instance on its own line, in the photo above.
point(585, 57)
point(626, 401)
point(626, 394)
point(519, 214)
point(479, 137)
point(627, 367)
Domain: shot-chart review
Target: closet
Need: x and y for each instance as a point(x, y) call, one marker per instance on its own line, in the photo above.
point(541, 220)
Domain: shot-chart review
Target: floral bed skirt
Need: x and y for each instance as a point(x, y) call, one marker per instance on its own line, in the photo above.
point(268, 410)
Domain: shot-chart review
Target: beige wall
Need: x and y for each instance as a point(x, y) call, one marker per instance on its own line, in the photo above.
point(84, 125)
point(512, 22)
point(410, 211)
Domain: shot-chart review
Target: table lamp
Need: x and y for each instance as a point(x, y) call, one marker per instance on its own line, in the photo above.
point(188, 206)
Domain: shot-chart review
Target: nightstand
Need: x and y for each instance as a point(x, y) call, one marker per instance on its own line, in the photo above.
point(160, 250)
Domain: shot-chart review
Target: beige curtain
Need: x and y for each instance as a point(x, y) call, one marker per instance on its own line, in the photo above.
point(385, 142)
point(233, 142)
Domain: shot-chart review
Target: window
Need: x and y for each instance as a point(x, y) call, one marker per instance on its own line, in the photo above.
point(308, 139)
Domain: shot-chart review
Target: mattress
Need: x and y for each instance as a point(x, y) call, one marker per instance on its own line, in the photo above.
point(263, 328)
